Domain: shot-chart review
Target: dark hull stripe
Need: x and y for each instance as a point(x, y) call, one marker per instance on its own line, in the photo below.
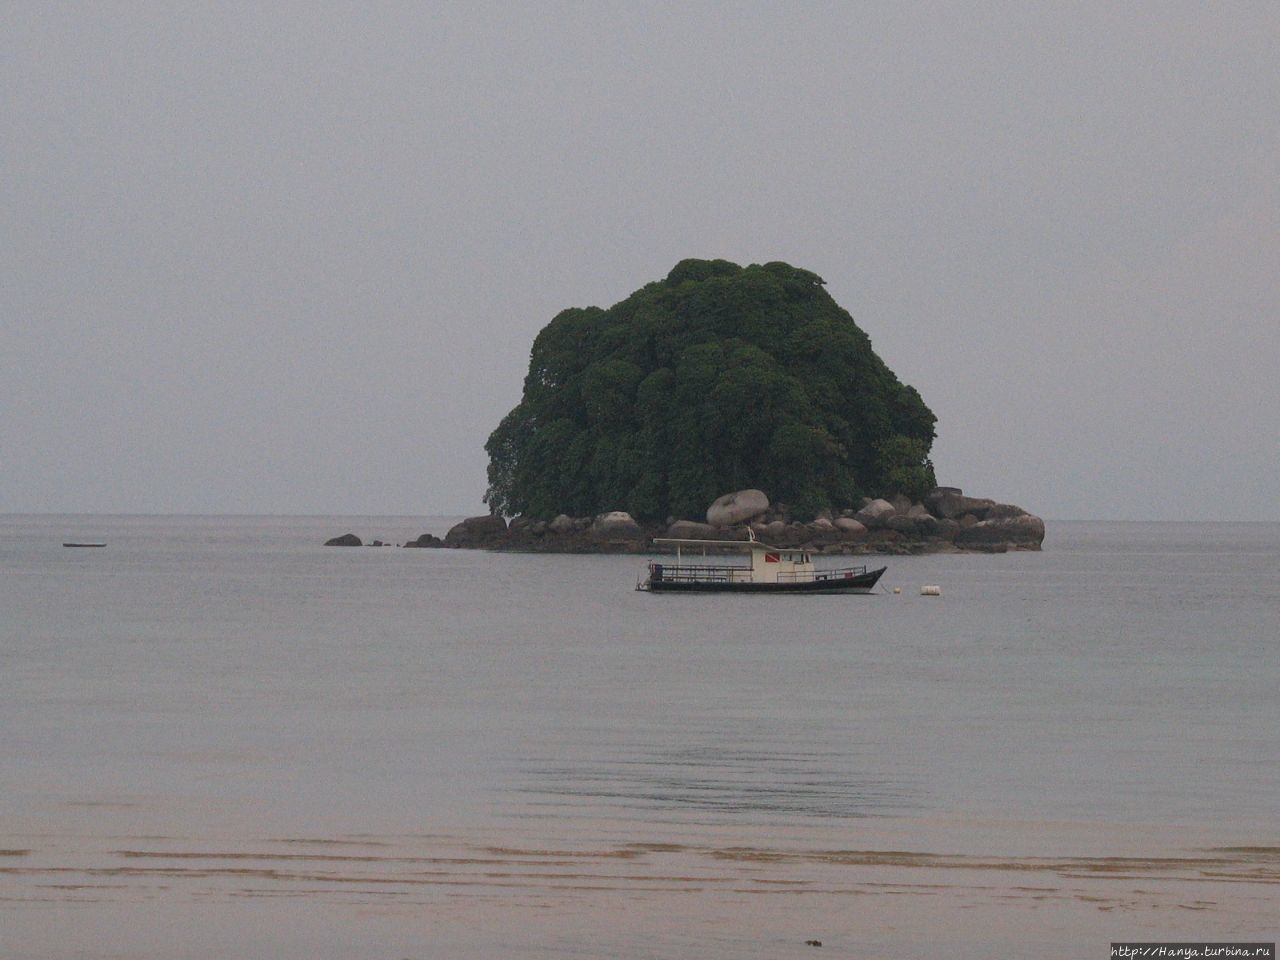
point(859, 584)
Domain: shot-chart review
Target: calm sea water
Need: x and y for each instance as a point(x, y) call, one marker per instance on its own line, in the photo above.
point(226, 676)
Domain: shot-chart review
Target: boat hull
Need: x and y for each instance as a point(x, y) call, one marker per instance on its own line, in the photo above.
point(857, 583)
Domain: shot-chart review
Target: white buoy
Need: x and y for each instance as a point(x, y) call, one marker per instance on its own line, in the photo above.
point(930, 591)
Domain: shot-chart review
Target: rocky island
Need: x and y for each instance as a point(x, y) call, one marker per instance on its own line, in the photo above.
point(945, 520)
point(634, 421)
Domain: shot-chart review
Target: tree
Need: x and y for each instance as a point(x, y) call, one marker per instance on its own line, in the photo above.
point(717, 378)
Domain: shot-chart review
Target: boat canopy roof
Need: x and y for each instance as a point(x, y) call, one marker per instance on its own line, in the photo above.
point(751, 544)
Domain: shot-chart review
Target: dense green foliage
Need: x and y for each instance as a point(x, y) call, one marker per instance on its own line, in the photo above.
point(716, 379)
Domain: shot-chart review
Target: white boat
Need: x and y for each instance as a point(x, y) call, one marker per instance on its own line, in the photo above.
point(771, 570)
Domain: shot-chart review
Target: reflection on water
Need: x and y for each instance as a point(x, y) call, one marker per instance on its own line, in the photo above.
point(721, 782)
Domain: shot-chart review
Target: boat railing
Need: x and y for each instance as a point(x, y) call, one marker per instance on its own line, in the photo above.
point(699, 573)
point(843, 573)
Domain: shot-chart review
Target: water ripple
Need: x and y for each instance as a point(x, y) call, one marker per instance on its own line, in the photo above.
point(723, 782)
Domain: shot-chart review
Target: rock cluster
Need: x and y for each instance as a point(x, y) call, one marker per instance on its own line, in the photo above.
point(944, 520)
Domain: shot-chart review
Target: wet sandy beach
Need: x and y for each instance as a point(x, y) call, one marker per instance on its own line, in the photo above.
point(441, 895)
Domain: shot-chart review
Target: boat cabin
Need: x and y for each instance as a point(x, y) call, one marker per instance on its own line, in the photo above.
point(768, 564)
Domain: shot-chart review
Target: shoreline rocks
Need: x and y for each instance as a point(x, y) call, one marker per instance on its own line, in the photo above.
point(473, 532)
point(616, 525)
point(943, 521)
point(1023, 532)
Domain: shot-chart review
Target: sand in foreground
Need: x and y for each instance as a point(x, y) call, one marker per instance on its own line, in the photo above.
point(906, 889)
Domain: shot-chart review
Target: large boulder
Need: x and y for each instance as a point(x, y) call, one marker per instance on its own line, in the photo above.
point(942, 492)
point(919, 526)
point(426, 540)
point(822, 530)
point(562, 524)
point(850, 528)
point(477, 531)
point(735, 508)
point(1024, 532)
point(792, 535)
point(346, 540)
point(1001, 511)
point(772, 532)
point(693, 530)
point(776, 512)
point(616, 525)
point(875, 513)
point(905, 525)
point(950, 503)
point(947, 529)
point(929, 526)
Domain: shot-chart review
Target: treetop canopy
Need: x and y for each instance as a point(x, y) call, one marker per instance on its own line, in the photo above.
point(717, 378)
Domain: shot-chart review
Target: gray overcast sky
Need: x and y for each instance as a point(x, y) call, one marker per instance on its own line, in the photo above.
point(290, 258)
